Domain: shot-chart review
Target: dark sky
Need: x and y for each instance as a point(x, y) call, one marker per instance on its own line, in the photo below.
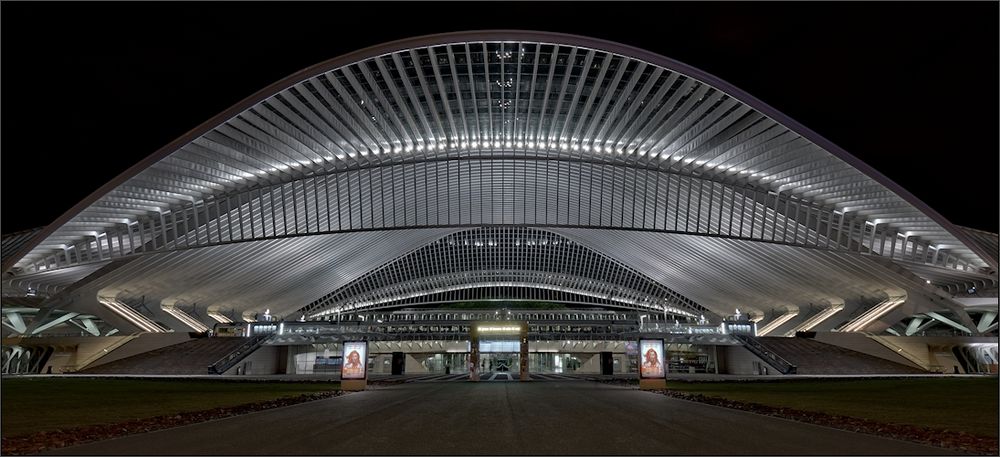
point(89, 89)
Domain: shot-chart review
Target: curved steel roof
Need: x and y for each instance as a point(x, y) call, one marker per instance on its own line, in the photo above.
point(500, 128)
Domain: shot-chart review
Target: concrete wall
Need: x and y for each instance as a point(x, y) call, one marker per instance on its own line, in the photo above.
point(589, 363)
point(861, 342)
point(414, 365)
point(290, 352)
point(72, 352)
point(383, 364)
point(933, 353)
point(739, 360)
point(78, 352)
point(145, 342)
point(66, 349)
point(265, 360)
point(945, 362)
point(60, 362)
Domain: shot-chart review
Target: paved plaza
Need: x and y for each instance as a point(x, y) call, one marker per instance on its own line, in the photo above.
point(555, 417)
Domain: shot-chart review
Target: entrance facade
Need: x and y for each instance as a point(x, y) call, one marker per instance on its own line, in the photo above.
point(499, 349)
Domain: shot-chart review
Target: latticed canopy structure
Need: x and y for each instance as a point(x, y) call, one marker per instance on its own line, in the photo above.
point(501, 165)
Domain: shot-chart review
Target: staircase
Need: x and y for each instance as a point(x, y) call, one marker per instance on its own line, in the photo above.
point(812, 357)
point(753, 345)
point(234, 356)
point(189, 357)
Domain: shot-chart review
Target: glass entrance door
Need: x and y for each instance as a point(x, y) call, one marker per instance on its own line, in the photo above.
point(499, 346)
point(499, 362)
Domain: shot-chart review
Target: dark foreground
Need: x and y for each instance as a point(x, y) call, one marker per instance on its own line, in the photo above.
point(501, 418)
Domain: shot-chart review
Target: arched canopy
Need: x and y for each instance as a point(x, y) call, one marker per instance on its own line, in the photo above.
point(425, 136)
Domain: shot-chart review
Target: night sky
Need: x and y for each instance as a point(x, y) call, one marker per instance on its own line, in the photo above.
point(90, 89)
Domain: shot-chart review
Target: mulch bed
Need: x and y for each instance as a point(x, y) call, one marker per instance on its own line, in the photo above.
point(34, 443)
point(954, 440)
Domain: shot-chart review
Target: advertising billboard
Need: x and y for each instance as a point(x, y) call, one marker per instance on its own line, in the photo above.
point(355, 360)
point(651, 364)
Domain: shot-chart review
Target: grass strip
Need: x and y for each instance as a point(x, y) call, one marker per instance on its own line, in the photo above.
point(959, 441)
point(958, 413)
point(34, 443)
point(954, 404)
point(33, 405)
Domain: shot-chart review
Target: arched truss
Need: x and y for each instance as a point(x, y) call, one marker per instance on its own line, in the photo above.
point(463, 130)
point(516, 261)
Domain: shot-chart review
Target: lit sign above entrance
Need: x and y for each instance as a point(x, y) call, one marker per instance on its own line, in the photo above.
point(498, 328)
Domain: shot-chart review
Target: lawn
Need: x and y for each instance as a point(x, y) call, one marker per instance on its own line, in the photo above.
point(959, 404)
point(36, 404)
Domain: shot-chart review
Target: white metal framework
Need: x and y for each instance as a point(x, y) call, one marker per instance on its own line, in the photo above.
point(335, 171)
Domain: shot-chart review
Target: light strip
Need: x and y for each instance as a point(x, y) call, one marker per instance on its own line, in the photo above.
point(777, 322)
point(184, 318)
point(221, 318)
point(873, 314)
point(815, 320)
point(130, 315)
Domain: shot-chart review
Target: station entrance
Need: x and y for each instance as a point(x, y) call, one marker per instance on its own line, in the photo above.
point(502, 362)
point(498, 348)
point(469, 344)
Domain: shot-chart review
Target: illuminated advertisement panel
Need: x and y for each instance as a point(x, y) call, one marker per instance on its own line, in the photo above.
point(651, 359)
point(355, 358)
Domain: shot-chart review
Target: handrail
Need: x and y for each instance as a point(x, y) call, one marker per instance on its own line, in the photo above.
point(234, 357)
point(773, 359)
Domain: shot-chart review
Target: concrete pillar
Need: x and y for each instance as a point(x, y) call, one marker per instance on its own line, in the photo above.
point(524, 353)
point(473, 353)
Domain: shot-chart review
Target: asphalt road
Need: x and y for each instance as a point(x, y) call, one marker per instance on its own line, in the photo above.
point(501, 418)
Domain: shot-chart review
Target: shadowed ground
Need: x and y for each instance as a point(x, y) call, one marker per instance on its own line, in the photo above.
point(501, 418)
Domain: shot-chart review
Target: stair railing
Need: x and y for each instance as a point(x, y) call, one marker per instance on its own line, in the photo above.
point(765, 354)
point(236, 355)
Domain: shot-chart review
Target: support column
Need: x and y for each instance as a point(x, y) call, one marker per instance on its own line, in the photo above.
point(913, 325)
point(473, 353)
point(524, 353)
point(986, 320)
